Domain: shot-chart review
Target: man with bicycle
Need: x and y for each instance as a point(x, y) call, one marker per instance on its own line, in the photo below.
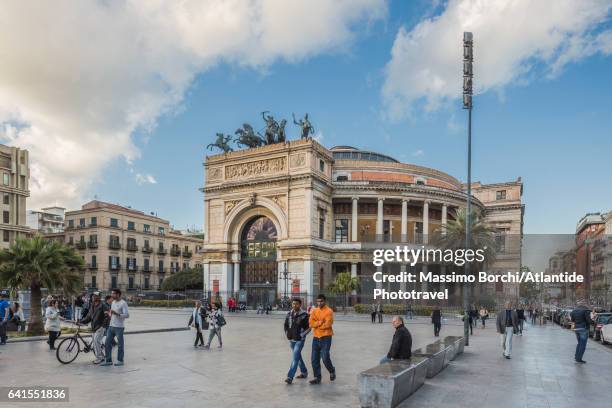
point(118, 313)
point(96, 315)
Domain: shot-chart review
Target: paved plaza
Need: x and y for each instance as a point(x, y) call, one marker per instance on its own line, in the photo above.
point(164, 370)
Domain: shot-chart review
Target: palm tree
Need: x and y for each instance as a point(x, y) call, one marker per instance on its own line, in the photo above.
point(452, 235)
point(36, 263)
point(343, 285)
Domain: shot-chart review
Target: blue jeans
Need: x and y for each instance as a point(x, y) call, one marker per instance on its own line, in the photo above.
point(582, 335)
point(296, 355)
point(111, 332)
point(321, 350)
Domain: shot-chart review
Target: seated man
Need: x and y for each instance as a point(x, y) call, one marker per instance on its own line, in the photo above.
point(401, 345)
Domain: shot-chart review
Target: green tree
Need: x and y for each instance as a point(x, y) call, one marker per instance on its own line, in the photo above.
point(343, 285)
point(187, 279)
point(36, 263)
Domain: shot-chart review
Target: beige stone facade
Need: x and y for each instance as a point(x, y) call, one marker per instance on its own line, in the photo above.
point(287, 218)
point(14, 166)
point(126, 248)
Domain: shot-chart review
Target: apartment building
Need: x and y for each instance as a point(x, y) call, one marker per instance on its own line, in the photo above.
point(126, 248)
point(47, 220)
point(14, 166)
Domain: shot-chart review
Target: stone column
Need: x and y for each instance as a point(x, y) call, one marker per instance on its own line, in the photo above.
point(426, 221)
point(444, 218)
point(379, 220)
point(226, 280)
point(404, 225)
point(206, 277)
point(403, 284)
point(236, 286)
point(309, 281)
point(425, 269)
point(354, 232)
point(379, 285)
point(354, 274)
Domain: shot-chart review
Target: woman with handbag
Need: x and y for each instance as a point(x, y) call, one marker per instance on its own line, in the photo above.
point(216, 322)
point(198, 322)
point(53, 323)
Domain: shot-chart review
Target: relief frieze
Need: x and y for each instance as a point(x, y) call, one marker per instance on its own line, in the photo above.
point(255, 168)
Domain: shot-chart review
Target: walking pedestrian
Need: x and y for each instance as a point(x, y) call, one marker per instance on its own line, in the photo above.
point(581, 317)
point(520, 312)
point(4, 316)
point(534, 317)
point(321, 321)
point(78, 307)
point(401, 345)
point(296, 329)
point(380, 312)
point(436, 320)
point(484, 314)
point(53, 323)
point(374, 311)
point(409, 310)
point(118, 312)
point(96, 315)
point(216, 322)
point(507, 326)
point(17, 317)
point(197, 320)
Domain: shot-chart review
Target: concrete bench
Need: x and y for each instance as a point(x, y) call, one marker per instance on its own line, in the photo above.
point(455, 347)
point(436, 352)
point(390, 383)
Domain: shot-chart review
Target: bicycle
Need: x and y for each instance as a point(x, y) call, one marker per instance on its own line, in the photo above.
point(69, 348)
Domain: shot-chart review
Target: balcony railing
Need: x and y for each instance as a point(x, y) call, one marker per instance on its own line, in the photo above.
point(147, 269)
point(132, 248)
point(187, 254)
point(94, 224)
point(114, 245)
point(115, 267)
point(81, 245)
point(92, 266)
point(161, 270)
point(134, 268)
point(147, 249)
point(175, 252)
point(92, 244)
point(161, 251)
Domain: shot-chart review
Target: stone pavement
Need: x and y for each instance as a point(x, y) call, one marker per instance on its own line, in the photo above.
point(164, 370)
point(541, 373)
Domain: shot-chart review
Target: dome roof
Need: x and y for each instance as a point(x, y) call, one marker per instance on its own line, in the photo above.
point(352, 153)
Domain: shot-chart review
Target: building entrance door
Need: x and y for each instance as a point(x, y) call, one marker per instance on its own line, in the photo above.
point(259, 269)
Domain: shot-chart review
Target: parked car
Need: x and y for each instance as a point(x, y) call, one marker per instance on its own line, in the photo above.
point(595, 328)
point(605, 333)
point(565, 319)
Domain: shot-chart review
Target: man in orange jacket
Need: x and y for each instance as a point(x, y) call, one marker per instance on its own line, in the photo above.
point(321, 321)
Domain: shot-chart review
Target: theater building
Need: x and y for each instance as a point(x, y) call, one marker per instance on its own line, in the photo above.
point(286, 218)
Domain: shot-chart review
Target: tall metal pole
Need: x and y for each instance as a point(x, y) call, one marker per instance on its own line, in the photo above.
point(467, 104)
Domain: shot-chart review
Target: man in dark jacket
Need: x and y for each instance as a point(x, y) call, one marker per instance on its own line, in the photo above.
point(97, 315)
point(507, 326)
point(401, 345)
point(296, 330)
point(581, 317)
point(436, 320)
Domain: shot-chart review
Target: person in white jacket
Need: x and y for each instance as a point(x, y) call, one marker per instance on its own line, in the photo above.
point(53, 322)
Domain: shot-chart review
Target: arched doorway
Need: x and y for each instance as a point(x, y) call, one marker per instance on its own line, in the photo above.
point(258, 269)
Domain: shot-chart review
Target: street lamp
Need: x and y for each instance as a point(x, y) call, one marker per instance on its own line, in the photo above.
point(468, 75)
point(286, 278)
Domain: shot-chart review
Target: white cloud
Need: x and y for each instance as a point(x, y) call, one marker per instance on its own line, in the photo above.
point(145, 179)
point(418, 153)
point(78, 78)
point(511, 39)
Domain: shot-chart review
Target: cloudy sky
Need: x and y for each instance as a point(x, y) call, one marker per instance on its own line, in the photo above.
point(117, 100)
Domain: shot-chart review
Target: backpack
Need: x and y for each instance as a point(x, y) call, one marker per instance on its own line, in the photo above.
point(221, 321)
